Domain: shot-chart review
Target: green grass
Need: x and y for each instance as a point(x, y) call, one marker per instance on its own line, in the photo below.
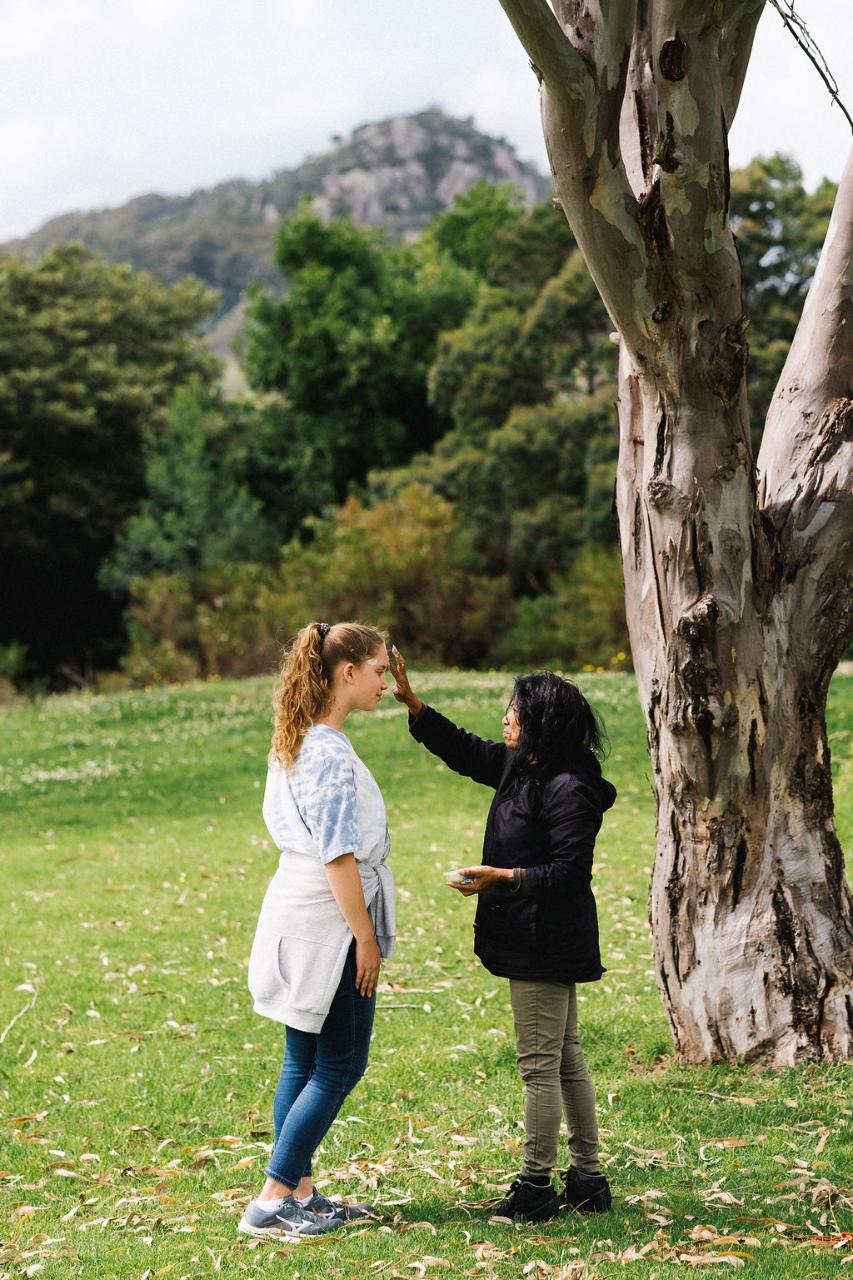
point(136, 1083)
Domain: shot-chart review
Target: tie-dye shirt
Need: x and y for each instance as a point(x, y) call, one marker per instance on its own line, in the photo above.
point(337, 797)
point(325, 805)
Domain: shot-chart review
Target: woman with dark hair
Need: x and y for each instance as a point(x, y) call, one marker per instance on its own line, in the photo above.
point(327, 918)
point(536, 921)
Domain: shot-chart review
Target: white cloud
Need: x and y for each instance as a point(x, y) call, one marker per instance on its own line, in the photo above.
point(785, 105)
point(106, 99)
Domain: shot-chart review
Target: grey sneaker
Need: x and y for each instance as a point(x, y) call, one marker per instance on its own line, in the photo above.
point(290, 1221)
point(326, 1208)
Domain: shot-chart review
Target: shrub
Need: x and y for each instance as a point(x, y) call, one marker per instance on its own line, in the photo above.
point(397, 565)
point(579, 623)
point(400, 565)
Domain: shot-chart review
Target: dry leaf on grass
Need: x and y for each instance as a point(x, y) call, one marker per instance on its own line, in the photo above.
point(651, 1194)
point(574, 1270)
point(485, 1251)
point(712, 1259)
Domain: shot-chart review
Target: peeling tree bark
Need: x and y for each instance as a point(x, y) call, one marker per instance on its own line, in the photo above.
point(738, 586)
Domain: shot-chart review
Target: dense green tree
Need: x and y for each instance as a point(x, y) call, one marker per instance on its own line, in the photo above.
point(528, 251)
point(567, 328)
point(579, 621)
point(486, 366)
point(348, 347)
point(489, 231)
point(528, 380)
point(519, 347)
point(529, 494)
point(90, 357)
point(469, 229)
point(196, 513)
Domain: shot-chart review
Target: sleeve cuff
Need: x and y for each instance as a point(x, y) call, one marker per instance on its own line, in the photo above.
point(519, 881)
point(416, 721)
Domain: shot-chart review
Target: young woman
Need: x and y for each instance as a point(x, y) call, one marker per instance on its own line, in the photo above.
point(536, 921)
point(327, 917)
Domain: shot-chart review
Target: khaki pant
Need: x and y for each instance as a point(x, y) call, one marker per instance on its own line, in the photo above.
point(555, 1075)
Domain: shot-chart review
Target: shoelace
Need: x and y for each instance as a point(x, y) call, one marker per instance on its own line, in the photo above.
point(321, 1204)
point(300, 1216)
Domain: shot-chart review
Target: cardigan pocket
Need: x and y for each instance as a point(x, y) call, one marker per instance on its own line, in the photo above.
point(308, 970)
point(286, 968)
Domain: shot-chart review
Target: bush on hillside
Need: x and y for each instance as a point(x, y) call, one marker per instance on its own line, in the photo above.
point(579, 623)
point(396, 565)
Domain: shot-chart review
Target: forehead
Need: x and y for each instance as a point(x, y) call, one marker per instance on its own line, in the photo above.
point(379, 659)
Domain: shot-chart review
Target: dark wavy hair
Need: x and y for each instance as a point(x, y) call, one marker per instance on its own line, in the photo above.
point(558, 729)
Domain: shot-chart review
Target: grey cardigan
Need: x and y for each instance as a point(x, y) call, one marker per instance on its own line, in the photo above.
point(302, 939)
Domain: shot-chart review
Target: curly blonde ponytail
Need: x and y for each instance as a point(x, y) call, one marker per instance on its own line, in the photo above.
point(305, 680)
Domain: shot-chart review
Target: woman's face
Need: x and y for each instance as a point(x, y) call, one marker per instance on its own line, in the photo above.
point(511, 727)
point(367, 680)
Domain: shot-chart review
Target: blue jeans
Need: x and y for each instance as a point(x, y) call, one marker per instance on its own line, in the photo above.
point(319, 1071)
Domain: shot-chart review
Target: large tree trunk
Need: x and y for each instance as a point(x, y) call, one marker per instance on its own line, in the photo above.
point(737, 592)
point(751, 919)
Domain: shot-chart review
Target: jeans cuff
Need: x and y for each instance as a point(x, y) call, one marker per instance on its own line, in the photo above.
point(280, 1177)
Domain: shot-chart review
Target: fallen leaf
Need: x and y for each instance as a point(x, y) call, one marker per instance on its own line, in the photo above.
point(711, 1259)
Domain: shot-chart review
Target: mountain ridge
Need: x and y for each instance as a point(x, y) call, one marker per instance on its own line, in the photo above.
point(395, 174)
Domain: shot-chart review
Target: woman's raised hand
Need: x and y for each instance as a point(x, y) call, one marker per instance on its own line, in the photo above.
point(402, 690)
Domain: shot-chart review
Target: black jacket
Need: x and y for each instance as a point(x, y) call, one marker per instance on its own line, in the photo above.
point(547, 927)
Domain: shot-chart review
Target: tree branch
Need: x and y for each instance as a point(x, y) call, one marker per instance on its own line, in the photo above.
point(554, 57)
point(639, 124)
point(690, 185)
point(583, 55)
point(806, 459)
point(798, 29)
point(736, 39)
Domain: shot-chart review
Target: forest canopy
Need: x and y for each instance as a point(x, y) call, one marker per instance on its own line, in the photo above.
point(428, 441)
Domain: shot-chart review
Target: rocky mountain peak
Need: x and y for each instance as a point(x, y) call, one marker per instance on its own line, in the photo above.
point(394, 174)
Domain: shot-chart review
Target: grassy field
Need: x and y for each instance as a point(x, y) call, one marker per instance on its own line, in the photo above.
point(137, 1082)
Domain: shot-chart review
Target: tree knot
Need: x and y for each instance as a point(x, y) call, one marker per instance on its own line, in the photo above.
point(672, 58)
point(697, 622)
point(663, 495)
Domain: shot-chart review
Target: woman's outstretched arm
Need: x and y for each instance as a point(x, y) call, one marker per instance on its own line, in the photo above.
point(463, 752)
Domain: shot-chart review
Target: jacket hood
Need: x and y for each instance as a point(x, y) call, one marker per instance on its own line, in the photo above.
point(590, 768)
point(586, 767)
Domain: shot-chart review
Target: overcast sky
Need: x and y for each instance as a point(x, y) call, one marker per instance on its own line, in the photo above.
point(103, 100)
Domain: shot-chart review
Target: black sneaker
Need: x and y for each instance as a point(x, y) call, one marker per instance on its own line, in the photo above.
point(527, 1202)
point(288, 1221)
point(588, 1192)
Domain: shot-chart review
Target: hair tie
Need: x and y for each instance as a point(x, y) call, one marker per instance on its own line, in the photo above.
point(323, 628)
